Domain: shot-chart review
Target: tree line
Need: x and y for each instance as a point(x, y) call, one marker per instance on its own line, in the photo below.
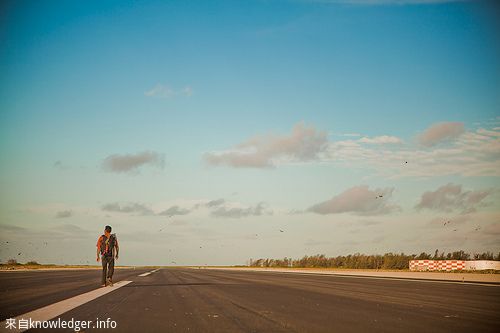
point(377, 261)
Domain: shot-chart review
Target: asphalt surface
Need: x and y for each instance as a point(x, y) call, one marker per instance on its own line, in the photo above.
point(187, 300)
point(24, 291)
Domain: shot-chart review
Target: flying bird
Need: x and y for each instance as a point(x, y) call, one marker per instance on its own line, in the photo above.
point(281, 230)
point(19, 253)
point(478, 228)
point(447, 222)
point(455, 229)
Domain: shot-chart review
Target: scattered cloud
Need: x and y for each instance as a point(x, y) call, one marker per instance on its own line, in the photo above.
point(359, 200)
point(384, 139)
point(452, 197)
point(131, 162)
point(440, 132)
point(237, 212)
point(174, 211)
point(474, 153)
point(295, 212)
point(164, 91)
point(214, 203)
point(132, 207)
point(471, 153)
point(64, 214)
point(265, 151)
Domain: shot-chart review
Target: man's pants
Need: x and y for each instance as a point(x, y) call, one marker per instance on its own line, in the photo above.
point(108, 264)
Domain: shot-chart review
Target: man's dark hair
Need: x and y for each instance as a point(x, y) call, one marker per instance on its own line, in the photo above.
point(108, 228)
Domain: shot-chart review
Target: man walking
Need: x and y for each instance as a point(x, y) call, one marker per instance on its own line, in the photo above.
point(106, 245)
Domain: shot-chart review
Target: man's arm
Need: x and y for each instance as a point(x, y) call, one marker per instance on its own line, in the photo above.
point(117, 249)
point(98, 248)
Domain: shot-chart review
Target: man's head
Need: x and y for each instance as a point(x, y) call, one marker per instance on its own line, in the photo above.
point(107, 229)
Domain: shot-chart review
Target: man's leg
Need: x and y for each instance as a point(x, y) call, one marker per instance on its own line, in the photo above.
point(111, 270)
point(104, 268)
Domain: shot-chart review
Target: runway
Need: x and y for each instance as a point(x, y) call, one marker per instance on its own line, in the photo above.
point(192, 300)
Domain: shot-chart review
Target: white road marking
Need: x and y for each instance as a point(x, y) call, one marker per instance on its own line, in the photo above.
point(147, 273)
point(52, 311)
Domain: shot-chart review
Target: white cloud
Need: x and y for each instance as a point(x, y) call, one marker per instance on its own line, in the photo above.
point(174, 211)
point(132, 207)
point(359, 200)
point(163, 91)
point(215, 203)
point(237, 212)
point(131, 162)
point(265, 151)
point(474, 153)
point(384, 139)
point(440, 132)
point(452, 197)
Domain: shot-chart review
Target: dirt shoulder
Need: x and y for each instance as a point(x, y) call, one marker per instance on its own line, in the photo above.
point(443, 276)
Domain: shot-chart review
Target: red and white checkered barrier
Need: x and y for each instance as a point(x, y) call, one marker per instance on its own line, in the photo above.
point(437, 265)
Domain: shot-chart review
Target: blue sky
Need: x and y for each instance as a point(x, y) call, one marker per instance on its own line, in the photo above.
point(114, 112)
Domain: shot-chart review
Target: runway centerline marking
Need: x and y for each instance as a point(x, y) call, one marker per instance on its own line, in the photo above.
point(147, 273)
point(51, 311)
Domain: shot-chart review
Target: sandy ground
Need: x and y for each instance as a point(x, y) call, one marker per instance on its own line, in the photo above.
point(445, 276)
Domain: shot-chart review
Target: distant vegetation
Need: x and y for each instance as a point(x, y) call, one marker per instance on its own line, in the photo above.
point(378, 261)
point(13, 262)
